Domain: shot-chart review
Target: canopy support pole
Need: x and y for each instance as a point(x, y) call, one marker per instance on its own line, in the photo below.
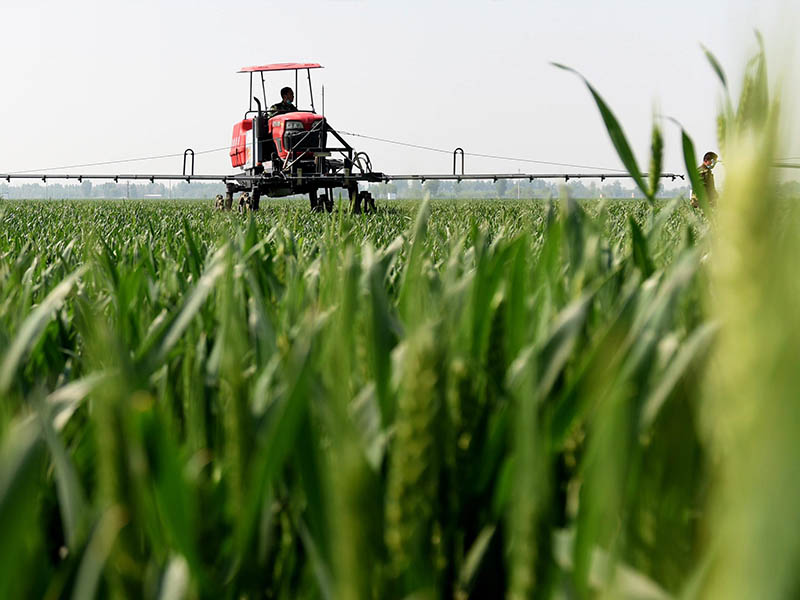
point(310, 89)
point(264, 90)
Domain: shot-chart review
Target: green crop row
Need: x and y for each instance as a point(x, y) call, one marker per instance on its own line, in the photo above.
point(331, 403)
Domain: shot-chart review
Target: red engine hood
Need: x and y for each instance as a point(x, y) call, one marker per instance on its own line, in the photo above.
point(306, 118)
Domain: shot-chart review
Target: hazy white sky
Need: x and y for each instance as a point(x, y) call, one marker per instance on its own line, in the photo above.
point(92, 80)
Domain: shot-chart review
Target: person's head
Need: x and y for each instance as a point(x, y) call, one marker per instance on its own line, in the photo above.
point(710, 159)
point(287, 95)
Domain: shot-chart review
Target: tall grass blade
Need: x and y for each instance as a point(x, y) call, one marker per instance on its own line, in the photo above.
point(175, 585)
point(641, 253)
point(21, 455)
point(71, 496)
point(193, 304)
point(32, 328)
point(690, 162)
point(615, 132)
point(716, 66)
point(693, 350)
point(96, 553)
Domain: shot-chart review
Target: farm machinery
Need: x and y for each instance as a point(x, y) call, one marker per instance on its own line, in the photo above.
point(295, 152)
point(289, 152)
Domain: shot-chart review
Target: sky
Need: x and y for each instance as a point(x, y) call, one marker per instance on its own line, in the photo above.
point(88, 80)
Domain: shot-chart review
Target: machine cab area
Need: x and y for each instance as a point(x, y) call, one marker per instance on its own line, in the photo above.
point(260, 142)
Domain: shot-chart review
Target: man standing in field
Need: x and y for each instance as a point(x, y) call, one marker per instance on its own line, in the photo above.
point(707, 176)
point(285, 105)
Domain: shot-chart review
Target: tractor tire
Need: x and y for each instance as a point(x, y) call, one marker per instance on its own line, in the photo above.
point(316, 201)
point(355, 201)
point(328, 200)
point(364, 203)
point(255, 200)
point(368, 203)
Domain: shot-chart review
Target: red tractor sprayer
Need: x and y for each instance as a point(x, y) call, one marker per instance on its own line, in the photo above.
point(285, 153)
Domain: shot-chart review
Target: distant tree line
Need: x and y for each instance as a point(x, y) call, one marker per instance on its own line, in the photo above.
point(89, 189)
point(507, 188)
point(403, 190)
